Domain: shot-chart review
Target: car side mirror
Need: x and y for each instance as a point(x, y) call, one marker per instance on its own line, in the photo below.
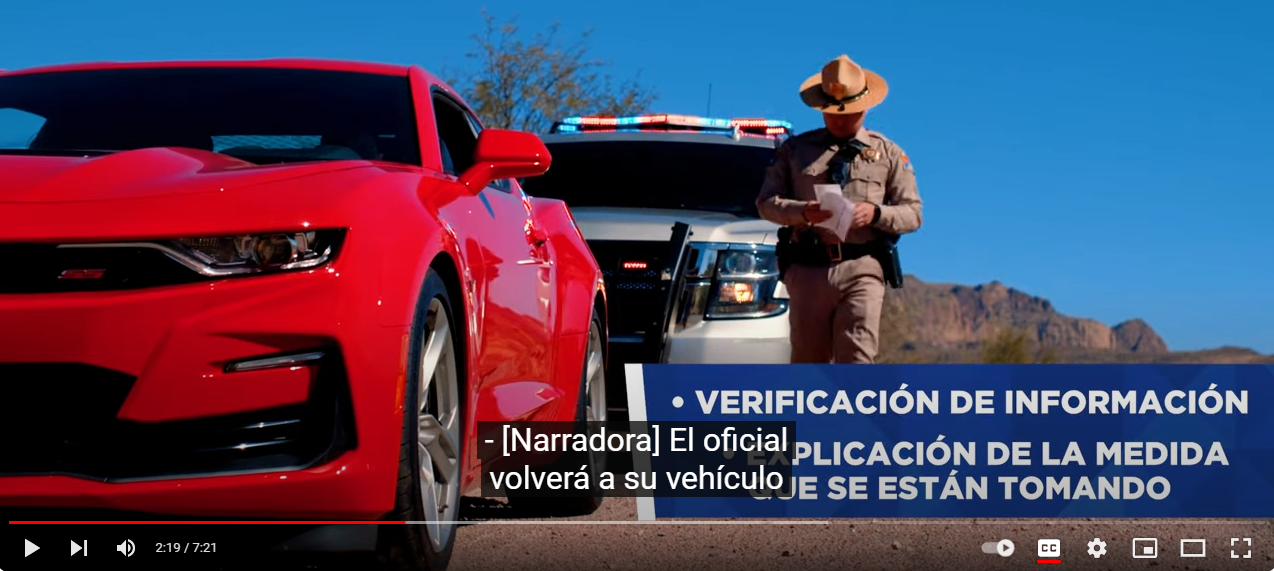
point(504, 154)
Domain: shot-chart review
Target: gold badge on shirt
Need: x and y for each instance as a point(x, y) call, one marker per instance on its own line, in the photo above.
point(871, 154)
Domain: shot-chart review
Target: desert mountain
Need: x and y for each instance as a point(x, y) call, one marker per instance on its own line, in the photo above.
point(934, 322)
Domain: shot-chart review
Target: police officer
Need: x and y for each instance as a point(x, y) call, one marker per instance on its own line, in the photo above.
point(837, 283)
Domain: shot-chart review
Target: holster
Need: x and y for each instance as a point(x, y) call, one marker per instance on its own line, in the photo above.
point(890, 264)
point(799, 246)
point(783, 250)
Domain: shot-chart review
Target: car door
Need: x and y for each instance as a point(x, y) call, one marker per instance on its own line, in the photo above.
point(514, 354)
point(539, 252)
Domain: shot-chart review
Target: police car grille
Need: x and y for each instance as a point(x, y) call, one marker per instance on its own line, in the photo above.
point(630, 286)
point(634, 296)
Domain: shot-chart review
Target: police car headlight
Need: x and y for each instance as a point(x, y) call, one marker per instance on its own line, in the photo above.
point(745, 283)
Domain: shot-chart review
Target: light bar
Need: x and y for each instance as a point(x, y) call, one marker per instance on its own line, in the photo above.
point(664, 122)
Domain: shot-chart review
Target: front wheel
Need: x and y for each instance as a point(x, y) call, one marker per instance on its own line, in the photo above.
point(590, 411)
point(430, 455)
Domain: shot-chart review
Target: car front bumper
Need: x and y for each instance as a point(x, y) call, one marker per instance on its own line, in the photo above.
point(734, 341)
point(121, 400)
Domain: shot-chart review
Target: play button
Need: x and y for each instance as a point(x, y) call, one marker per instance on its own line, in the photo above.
point(31, 548)
point(1004, 548)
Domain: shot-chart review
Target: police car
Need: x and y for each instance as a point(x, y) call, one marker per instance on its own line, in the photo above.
point(667, 204)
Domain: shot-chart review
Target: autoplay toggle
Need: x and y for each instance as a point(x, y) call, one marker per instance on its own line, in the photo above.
point(1003, 547)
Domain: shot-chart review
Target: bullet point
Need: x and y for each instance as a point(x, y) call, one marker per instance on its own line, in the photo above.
point(677, 402)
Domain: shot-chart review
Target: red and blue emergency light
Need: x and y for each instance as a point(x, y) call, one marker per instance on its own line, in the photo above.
point(664, 122)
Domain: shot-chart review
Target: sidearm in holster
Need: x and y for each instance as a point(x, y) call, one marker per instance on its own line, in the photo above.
point(783, 250)
point(890, 264)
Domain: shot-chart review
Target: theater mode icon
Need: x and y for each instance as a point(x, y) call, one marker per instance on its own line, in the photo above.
point(1194, 548)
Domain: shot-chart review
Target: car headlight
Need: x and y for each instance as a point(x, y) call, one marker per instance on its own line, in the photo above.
point(744, 284)
point(250, 254)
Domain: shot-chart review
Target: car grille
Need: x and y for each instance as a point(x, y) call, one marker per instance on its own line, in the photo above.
point(61, 419)
point(635, 299)
point(45, 268)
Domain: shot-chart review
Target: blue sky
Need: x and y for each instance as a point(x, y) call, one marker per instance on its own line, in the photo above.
point(1105, 155)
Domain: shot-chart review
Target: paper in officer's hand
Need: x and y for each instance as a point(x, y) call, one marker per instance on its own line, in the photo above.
point(831, 199)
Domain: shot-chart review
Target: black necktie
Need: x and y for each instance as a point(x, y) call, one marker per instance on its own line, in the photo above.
point(838, 167)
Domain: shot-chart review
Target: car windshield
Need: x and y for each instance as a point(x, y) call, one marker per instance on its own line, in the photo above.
point(258, 115)
point(720, 177)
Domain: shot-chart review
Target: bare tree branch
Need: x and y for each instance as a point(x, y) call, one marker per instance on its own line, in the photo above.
point(528, 84)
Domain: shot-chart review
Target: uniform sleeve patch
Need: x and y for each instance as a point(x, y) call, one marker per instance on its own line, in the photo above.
point(906, 163)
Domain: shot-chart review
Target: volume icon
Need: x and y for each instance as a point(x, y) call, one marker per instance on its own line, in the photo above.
point(127, 548)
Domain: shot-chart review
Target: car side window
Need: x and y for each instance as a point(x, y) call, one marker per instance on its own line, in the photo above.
point(18, 129)
point(501, 184)
point(457, 140)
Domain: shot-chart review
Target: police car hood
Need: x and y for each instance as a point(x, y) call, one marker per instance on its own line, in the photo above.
point(648, 224)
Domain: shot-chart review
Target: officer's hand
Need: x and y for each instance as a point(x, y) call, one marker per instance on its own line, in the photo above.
point(863, 213)
point(815, 214)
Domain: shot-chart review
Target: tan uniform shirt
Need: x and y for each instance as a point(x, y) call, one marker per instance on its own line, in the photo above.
point(883, 177)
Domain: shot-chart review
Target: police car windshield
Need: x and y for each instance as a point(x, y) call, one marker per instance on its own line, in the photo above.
point(720, 177)
point(256, 114)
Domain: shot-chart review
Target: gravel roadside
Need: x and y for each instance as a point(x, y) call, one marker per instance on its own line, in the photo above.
point(954, 545)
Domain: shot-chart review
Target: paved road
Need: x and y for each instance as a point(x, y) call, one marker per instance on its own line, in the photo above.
point(842, 544)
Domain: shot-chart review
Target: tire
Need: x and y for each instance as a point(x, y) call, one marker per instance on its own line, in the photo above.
point(590, 408)
point(431, 452)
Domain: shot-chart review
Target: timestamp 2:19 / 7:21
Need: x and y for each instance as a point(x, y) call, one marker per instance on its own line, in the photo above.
point(185, 548)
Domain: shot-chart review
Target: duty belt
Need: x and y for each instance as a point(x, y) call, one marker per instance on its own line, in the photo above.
point(829, 253)
point(847, 251)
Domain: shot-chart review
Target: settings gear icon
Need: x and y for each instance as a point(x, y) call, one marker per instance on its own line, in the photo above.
point(1097, 548)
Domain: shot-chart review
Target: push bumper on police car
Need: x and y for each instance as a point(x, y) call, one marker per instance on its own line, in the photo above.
point(730, 306)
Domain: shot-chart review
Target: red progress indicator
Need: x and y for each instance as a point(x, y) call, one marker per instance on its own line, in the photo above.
point(253, 522)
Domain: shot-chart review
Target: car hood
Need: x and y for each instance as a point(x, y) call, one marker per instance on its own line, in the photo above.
point(138, 174)
point(647, 224)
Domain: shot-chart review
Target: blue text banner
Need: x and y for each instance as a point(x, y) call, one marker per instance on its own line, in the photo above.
point(988, 441)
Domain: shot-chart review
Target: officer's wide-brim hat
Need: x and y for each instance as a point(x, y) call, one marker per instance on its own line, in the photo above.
point(844, 87)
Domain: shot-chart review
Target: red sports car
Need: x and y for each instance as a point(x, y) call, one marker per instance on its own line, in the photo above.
point(282, 289)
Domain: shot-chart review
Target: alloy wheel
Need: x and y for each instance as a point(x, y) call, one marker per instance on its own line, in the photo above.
point(595, 378)
point(438, 436)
